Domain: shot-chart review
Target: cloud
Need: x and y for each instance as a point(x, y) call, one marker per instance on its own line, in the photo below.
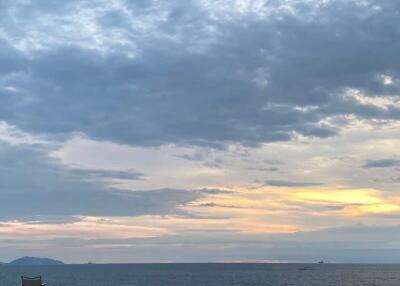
point(154, 73)
point(273, 162)
point(207, 159)
point(215, 191)
point(382, 163)
point(98, 174)
point(212, 205)
point(34, 185)
point(264, 169)
point(282, 183)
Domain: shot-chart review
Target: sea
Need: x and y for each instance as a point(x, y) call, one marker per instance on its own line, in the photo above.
point(210, 274)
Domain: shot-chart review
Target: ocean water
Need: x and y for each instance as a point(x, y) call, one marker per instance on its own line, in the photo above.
point(205, 274)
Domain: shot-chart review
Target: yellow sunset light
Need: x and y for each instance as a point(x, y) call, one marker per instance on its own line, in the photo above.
point(360, 196)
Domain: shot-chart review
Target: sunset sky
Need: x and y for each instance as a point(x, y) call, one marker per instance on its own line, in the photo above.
point(200, 130)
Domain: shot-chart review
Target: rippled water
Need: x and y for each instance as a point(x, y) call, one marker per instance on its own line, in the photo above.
point(205, 274)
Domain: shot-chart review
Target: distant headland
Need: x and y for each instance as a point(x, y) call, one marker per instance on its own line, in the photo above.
point(34, 261)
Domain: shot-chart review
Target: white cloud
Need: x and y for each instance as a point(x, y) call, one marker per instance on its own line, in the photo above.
point(386, 79)
point(10, 134)
point(383, 102)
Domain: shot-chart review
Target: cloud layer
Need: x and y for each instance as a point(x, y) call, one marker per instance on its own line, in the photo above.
point(34, 185)
point(169, 123)
point(156, 73)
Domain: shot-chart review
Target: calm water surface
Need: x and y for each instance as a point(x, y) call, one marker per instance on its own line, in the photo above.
point(205, 274)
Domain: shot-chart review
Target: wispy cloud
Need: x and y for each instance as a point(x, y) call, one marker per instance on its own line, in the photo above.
point(283, 183)
point(382, 163)
point(112, 174)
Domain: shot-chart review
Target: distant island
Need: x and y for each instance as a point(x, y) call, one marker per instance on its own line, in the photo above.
point(35, 261)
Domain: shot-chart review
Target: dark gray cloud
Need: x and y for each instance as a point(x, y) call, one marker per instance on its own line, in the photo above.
point(111, 174)
point(215, 191)
point(34, 185)
point(382, 163)
point(282, 183)
point(252, 80)
point(213, 205)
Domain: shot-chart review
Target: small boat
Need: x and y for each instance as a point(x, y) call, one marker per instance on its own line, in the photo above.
point(305, 268)
point(321, 262)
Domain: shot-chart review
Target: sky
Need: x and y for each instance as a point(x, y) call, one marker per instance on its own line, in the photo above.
point(200, 130)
